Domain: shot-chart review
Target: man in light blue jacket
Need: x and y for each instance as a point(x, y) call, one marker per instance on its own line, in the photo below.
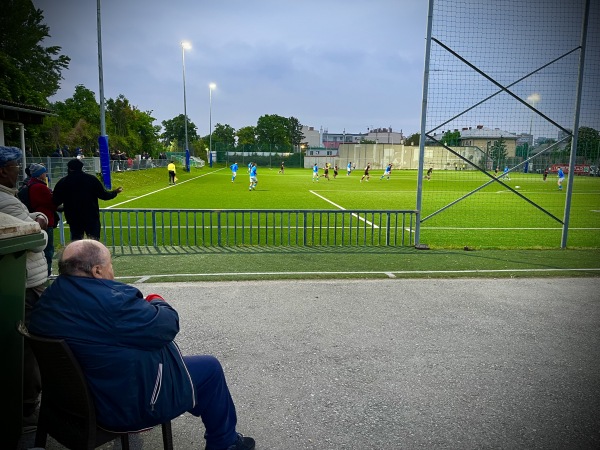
point(124, 344)
point(37, 274)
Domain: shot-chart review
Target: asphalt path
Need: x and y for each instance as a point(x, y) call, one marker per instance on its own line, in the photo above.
point(398, 363)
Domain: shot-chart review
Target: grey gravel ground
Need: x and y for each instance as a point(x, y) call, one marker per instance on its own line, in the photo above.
point(397, 364)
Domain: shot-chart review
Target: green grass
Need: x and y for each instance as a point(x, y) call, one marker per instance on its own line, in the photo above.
point(492, 218)
point(260, 263)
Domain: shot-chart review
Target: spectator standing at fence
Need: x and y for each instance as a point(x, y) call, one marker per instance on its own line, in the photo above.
point(172, 172)
point(366, 174)
point(315, 175)
point(253, 179)
point(234, 170)
point(79, 193)
point(36, 274)
point(561, 178)
point(118, 336)
point(40, 200)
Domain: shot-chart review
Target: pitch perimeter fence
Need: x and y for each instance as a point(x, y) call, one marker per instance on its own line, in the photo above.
point(158, 228)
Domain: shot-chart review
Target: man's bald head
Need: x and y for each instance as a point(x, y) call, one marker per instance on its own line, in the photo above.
point(86, 258)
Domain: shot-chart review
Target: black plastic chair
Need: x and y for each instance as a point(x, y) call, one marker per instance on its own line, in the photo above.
point(67, 411)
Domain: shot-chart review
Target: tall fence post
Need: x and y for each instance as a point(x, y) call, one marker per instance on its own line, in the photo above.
point(219, 229)
point(154, 236)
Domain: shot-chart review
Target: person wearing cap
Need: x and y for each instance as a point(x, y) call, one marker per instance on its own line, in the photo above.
point(79, 193)
point(40, 200)
point(36, 270)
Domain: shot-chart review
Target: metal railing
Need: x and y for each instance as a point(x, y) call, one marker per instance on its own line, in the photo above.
point(265, 227)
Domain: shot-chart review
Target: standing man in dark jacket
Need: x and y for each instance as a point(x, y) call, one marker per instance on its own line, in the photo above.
point(79, 192)
point(124, 344)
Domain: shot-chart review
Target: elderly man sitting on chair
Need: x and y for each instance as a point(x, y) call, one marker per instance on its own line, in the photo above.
point(124, 344)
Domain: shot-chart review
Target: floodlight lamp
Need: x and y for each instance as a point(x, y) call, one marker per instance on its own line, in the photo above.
point(534, 98)
point(186, 45)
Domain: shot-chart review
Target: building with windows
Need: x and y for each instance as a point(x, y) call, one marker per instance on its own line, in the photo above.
point(312, 137)
point(484, 138)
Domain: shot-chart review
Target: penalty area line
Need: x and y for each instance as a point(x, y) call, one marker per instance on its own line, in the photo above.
point(343, 209)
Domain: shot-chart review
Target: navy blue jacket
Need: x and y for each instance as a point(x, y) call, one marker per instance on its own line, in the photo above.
point(125, 347)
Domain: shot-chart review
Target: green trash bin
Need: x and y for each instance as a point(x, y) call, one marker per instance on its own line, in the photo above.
point(16, 237)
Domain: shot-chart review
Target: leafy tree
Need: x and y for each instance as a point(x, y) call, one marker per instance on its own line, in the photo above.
point(143, 126)
point(588, 144)
point(29, 72)
point(224, 135)
point(246, 136)
point(295, 132)
point(76, 124)
point(272, 131)
point(451, 138)
point(174, 130)
point(130, 129)
point(498, 152)
point(413, 139)
point(82, 105)
point(121, 115)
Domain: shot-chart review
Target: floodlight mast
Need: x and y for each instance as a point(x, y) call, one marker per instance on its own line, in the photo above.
point(211, 86)
point(185, 45)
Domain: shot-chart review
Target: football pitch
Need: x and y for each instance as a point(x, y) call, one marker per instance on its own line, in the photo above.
point(483, 212)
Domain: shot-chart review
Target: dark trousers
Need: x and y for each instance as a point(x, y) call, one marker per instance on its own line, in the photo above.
point(171, 177)
point(213, 401)
point(32, 381)
point(79, 229)
point(49, 250)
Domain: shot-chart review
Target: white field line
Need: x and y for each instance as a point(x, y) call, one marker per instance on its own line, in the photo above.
point(162, 189)
point(390, 274)
point(343, 209)
point(508, 229)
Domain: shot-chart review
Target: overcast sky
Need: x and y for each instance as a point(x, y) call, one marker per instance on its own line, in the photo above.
point(337, 64)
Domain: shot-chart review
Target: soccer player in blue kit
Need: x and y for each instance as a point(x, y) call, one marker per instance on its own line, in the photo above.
point(234, 169)
point(387, 172)
point(315, 172)
point(253, 179)
point(561, 178)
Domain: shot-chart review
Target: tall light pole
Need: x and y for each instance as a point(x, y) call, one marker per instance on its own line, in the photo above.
point(533, 99)
point(211, 86)
point(103, 138)
point(185, 45)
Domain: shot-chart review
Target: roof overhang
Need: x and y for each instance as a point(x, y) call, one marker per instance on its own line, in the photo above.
point(21, 113)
